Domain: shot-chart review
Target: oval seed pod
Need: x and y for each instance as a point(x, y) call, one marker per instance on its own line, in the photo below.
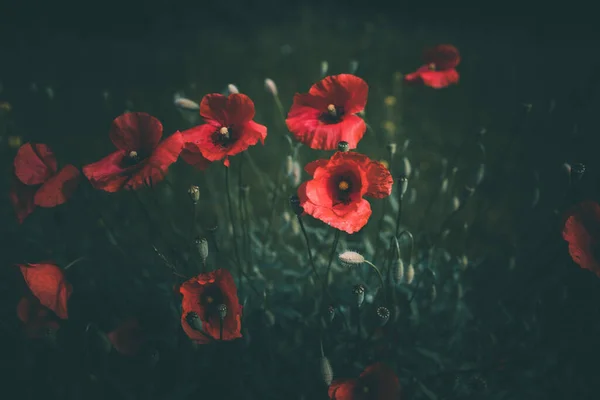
point(222, 311)
point(232, 89)
point(455, 203)
point(351, 258)
point(444, 187)
point(202, 247)
point(271, 87)
point(326, 370)
point(406, 167)
point(324, 68)
point(343, 146)
point(194, 193)
point(194, 321)
point(410, 273)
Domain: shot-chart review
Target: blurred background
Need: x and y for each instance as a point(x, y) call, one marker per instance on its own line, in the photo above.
point(68, 70)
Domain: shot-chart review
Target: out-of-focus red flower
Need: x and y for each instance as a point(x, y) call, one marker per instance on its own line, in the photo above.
point(335, 194)
point(229, 128)
point(37, 180)
point(203, 295)
point(191, 154)
point(439, 70)
point(325, 115)
point(128, 337)
point(376, 382)
point(582, 232)
point(46, 301)
point(142, 159)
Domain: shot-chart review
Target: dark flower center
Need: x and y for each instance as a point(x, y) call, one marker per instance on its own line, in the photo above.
point(432, 66)
point(224, 137)
point(344, 188)
point(132, 158)
point(210, 300)
point(333, 115)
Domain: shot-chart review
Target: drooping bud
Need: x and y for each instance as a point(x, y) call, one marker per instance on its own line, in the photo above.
point(353, 67)
point(326, 370)
point(289, 165)
point(271, 87)
point(455, 203)
point(194, 193)
point(403, 184)
point(194, 321)
point(444, 187)
point(391, 148)
point(296, 207)
point(405, 145)
point(222, 311)
point(232, 89)
point(384, 315)
point(399, 269)
point(331, 313)
point(270, 318)
point(406, 166)
point(343, 146)
point(359, 292)
point(410, 273)
point(202, 246)
point(324, 68)
point(351, 258)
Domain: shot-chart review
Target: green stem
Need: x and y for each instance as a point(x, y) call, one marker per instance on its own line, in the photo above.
point(336, 239)
point(232, 219)
point(380, 278)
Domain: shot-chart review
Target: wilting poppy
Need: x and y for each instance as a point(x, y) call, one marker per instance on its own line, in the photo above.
point(376, 382)
point(229, 128)
point(335, 194)
point(582, 232)
point(128, 337)
point(37, 181)
point(439, 70)
point(46, 301)
point(202, 307)
point(141, 159)
point(325, 115)
point(192, 155)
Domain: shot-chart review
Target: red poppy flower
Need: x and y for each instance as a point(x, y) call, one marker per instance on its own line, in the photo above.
point(582, 232)
point(46, 300)
point(335, 194)
point(376, 382)
point(141, 159)
point(191, 154)
point(127, 338)
point(37, 180)
point(439, 70)
point(325, 115)
point(203, 295)
point(229, 128)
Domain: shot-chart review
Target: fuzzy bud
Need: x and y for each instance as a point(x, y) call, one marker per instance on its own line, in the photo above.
point(296, 207)
point(326, 371)
point(359, 291)
point(324, 68)
point(410, 274)
point(351, 258)
point(343, 146)
point(403, 185)
point(202, 246)
point(194, 321)
point(232, 89)
point(271, 87)
point(391, 148)
point(194, 193)
point(399, 270)
point(383, 314)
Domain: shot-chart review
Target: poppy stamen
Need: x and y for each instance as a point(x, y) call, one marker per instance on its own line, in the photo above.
point(432, 66)
point(209, 300)
point(224, 132)
point(343, 186)
point(133, 155)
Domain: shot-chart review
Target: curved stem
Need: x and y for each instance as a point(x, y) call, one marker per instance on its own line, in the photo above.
point(331, 254)
point(232, 219)
point(380, 277)
point(308, 248)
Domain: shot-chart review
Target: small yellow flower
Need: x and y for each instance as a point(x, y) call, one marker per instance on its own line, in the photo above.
point(390, 101)
point(14, 142)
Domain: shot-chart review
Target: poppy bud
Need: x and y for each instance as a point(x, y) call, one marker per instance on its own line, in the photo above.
point(405, 145)
point(202, 246)
point(270, 318)
point(410, 273)
point(399, 270)
point(326, 371)
point(194, 193)
point(296, 207)
point(406, 166)
point(222, 311)
point(353, 67)
point(324, 68)
point(359, 291)
point(455, 203)
point(444, 187)
point(331, 313)
point(384, 315)
point(289, 165)
point(271, 87)
point(412, 196)
point(403, 185)
point(50, 92)
point(480, 174)
point(351, 258)
point(577, 171)
point(194, 321)
point(343, 146)
point(232, 89)
point(391, 147)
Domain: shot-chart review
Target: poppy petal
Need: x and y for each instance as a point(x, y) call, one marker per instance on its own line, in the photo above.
point(444, 56)
point(582, 232)
point(22, 198)
point(59, 188)
point(343, 389)
point(136, 131)
point(379, 180)
point(34, 163)
point(154, 169)
point(127, 338)
point(345, 90)
point(433, 79)
point(352, 219)
point(308, 129)
point(312, 166)
point(240, 109)
point(47, 283)
point(382, 380)
point(191, 154)
point(214, 107)
point(108, 174)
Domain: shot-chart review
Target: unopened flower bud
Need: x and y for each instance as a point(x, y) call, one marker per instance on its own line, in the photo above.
point(410, 274)
point(194, 193)
point(403, 184)
point(359, 291)
point(296, 207)
point(353, 67)
point(343, 146)
point(351, 258)
point(202, 246)
point(222, 311)
point(326, 371)
point(391, 147)
point(194, 321)
point(399, 269)
point(383, 314)
point(331, 313)
point(232, 89)
point(324, 68)
point(271, 87)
